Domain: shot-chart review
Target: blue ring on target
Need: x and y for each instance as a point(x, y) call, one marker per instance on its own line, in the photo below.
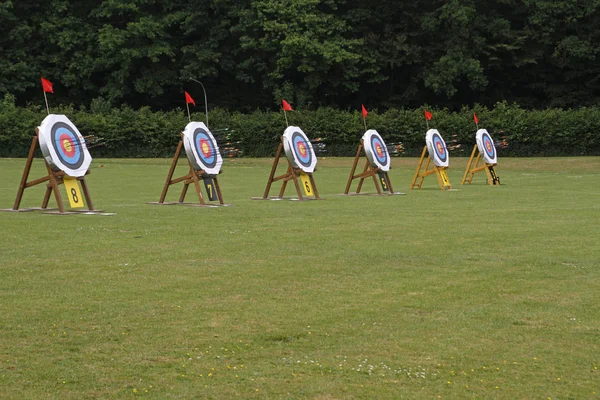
point(201, 139)
point(438, 146)
point(67, 145)
point(383, 158)
point(487, 141)
point(297, 140)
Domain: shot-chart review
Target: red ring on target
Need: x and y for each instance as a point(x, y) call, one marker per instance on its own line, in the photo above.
point(67, 145)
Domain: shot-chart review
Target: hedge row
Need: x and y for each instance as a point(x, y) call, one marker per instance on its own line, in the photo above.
point(143, 133)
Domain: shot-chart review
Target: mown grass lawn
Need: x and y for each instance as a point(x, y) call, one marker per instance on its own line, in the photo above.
point(486, 292)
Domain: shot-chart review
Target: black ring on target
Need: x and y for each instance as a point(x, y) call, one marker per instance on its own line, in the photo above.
point(205, 148)
point(67, 145)
point(379, 149)
point(439, 148)
point(301, 149)
point(488, 145)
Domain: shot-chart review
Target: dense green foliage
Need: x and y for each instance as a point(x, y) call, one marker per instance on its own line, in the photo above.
point(144, 133)
point(335, 53)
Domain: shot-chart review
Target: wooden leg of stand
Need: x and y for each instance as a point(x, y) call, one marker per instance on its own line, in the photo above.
point(362, 179)
point(389, 183)
point(197, 185)
point(375, 180)
point(284, 183)
point(424, 171)
point(183, 192)
point(314, 185)
point(86, 194)
point(464, 178)
point(26, 171)
point(218, 188)
point(412, 185)
point(298, 189)
point(54, 187)
point(273, 169)
point(353, 168)
point(47, 197)
point(171, 172)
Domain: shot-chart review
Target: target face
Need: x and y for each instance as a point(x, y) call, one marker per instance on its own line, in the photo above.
point(437, 148)
point(376, 150)
point(299, 150)
point(63, 146)
point(201, 148)
point(486, 147)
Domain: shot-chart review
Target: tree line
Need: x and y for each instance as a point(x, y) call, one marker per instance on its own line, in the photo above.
point(336, 53)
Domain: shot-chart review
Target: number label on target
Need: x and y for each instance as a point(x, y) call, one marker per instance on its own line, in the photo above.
point(308, 189)
point(63, 146)
point(299, 150)
point(73, 192)
point(383, 179)
point(437, 148)
point(376, 150)
point(209, 185)
point(201, 148)
point(486, 147)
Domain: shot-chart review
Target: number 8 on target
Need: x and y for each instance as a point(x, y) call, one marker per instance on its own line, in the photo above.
point(73, 192)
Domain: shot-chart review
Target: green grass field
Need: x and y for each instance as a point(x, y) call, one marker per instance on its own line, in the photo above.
point(485, 292)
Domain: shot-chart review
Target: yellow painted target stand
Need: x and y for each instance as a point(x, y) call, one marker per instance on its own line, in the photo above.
point(485, 151)
point(302, 160)
point(204, 162)
point(377, 165)
point(67, 162)
point(435, 155)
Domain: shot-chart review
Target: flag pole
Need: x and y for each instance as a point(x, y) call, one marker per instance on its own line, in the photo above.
point(427, 123)
point(46, 99)
point(285, 115)
point(205, 100)
point(365, 122)
point(187, 105)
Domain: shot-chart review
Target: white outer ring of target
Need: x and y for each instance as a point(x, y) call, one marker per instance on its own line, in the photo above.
point(49, 152)
point(291, 154)
point(370, 151)
point(192, 154)
point(486, 158)
point(431, 148)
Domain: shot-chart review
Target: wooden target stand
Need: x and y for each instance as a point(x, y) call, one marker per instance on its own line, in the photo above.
point(369, 171)
point(54, 179)
point(440, 172)
point(473, 168)
point(192, 177)
point(292, 174)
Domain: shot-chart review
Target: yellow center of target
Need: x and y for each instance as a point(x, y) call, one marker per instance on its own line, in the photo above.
point(440, 148)
point(488, 145)
point(205, 149)
point(302, 149)
point(378, 149)
point(67, 145)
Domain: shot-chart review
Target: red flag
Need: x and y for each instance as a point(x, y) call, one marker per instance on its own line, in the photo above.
point(475, 118)
point(364, 111)
point(188, 99)
point(286, 106)
point(47, 85)
point(428, 115)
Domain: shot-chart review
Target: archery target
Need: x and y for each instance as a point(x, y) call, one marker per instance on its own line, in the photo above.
point(437, 148)
point(376, 150)
point(63, 146)
point(299, 150)
point(486, 147)
point(201, 148)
